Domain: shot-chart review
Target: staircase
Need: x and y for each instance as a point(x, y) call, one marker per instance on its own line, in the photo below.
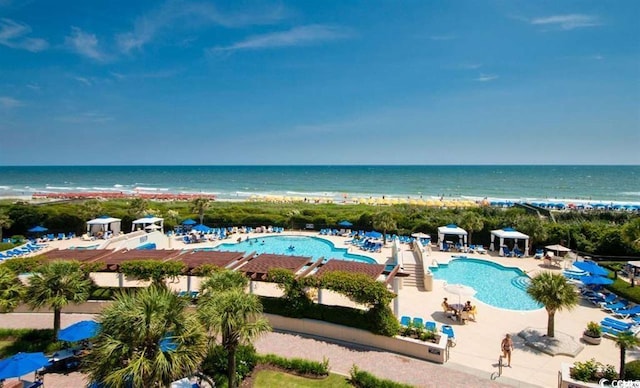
point(416, 276)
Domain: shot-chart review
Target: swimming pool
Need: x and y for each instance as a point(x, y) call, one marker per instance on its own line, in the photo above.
point(302, 246)
point(495, 285)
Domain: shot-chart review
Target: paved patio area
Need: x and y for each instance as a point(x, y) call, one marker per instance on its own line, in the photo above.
point(472, 362)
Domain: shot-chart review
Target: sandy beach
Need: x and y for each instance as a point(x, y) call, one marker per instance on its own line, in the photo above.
point(478, 342)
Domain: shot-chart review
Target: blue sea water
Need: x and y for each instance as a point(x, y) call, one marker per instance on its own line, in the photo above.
point(596, 183)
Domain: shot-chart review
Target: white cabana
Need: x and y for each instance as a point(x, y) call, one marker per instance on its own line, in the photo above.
point(508, 233)
point(452, 230)
point(104, 226)
point(148, 223)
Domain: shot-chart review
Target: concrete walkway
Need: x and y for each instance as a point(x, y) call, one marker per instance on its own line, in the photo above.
point(342, 358)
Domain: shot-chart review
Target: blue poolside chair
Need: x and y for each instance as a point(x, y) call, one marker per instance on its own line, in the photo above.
point(448, 330)
point(599, 300)
point(613, 325)
point(611, 332)
point(612, 307)
point(506, 252)
point(627, 313)
point(418, 322)
point(517, 252)
point(607, 321)
point(405, 321)
point(539, 254)
point(430, 325)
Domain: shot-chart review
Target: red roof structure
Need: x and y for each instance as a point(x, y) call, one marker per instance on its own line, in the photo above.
point(371, 270)
point(215, 258)
point(258, 267)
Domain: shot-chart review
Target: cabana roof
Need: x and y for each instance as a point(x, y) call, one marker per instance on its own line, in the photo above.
point(509, 233)
point(452, 229)
point(104, 220)
point(148, 220)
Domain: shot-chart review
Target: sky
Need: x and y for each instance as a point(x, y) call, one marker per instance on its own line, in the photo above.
point(319, 82)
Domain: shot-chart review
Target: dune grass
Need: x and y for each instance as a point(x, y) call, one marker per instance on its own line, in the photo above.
point(275, 379)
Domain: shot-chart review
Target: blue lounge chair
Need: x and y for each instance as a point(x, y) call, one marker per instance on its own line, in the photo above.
point(506, 252)
point(599, 300)
point(627, 313)
point(612, 307)
point(418, 322)
point(539, 254)
point(517, 252)
point(608, 321)
point(613, 325)
point(430, 325)
point(405, 321)
point(611, 332)
point(448, 330)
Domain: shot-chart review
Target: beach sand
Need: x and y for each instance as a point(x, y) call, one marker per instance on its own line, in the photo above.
point(478, 343)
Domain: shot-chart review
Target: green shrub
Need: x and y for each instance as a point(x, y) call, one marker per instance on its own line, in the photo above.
point(295, 290)
point(383, 321)
point(28, 340)
point(585, 371)
point(362, 379)
point(23, 264)
point(216, 362)
point(297, 365)
point(154, 270)
point(609, 372)
point(632, 370)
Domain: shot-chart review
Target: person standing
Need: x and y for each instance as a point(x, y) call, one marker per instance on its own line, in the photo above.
point(507, 348)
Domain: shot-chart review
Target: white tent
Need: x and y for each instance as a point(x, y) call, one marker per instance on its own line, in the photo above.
point(103, 225)
point(148, 223)
point(508, 233)
point(452, 230)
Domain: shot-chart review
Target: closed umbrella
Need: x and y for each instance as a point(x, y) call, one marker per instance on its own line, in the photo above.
point(591, 267)
point(79, 331)
point(22, 363)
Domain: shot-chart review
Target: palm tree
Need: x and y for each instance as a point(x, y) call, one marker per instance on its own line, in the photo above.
point(222, 281)
point(200, 205)
point(625, 341)
point(11, 290)
point(555, 293)
point(5, 223)
point(534, 228)
point(138, 207)
point(471, 222)
point(148, 339)
point(55, 285)
point(237, 317)
point(384, 221)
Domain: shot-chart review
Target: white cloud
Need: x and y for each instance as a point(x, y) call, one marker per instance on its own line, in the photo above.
point(85, 44)
point(486, 77)
point(567, 22)
point(297, 36)
point(33, 86)
point(190, 14)
point(10, 102)
point(83, 80)
point(86, 118)
point(470, 66)
point(14, 35)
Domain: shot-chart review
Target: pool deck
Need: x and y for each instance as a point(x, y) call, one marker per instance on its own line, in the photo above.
point(478, 343)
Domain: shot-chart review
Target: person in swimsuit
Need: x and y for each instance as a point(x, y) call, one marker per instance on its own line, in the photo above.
point(507, 348)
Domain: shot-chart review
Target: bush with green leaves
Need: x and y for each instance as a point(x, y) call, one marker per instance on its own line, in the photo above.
point(592, 370)
point(362, 379)
point(154, 270)
point(295, 289)
point(22, 264)
point(297, 365)
point(216, 362)
point(632, 370)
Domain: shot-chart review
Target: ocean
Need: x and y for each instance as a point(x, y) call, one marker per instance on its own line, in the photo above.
point(619, 184)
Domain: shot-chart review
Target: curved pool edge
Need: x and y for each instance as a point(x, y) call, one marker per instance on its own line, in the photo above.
point(494, 264)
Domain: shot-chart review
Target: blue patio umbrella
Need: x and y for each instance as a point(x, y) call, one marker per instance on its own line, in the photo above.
point(591, 267)
point(345, 223)
point(79, 331)
point(22, 363)
point(37, 229)
point(373, 234)
point(201, 228)
point(189, 222)
point(595, 280)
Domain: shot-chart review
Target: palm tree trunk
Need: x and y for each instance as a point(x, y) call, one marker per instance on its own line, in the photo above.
point(551, 324)
point(56, 322)
point(231, 367)
point(623, 354)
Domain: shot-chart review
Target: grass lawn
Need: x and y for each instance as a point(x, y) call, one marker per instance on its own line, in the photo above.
point(269, 378)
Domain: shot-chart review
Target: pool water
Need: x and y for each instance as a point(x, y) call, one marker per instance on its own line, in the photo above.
point(495, 285)
point(302, 246)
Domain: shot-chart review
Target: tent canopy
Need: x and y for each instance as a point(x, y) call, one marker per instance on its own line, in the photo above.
point(451, 230)
point(508, 233)
point(103, 224)
point(104, 220)
point(148, 220)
